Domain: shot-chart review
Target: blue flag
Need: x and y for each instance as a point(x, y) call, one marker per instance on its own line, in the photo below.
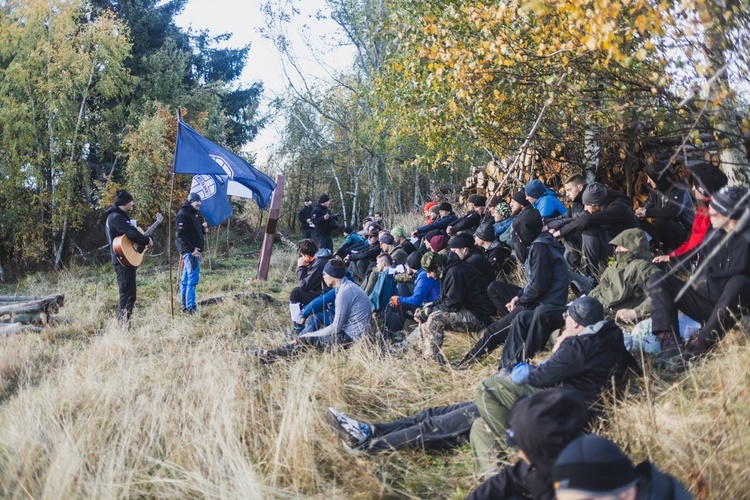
point(212, 189)
point(194, 154)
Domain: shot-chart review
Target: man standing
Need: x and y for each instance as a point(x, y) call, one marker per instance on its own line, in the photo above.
point(189, 242)
point(118, 224)
point(324, 223)
point(305, 219)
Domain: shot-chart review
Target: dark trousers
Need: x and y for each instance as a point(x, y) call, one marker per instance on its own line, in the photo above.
point(126, 286)
point(396, 316)
point(324, 241)
point(494, 336)
point(436, 428)
point(668, 232)
point(530, 332)
point(596, 250)
point(302, 296)
point(307, 233)
point(717, 315)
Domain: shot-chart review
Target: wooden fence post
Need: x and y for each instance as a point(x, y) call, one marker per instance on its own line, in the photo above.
point(273, 219)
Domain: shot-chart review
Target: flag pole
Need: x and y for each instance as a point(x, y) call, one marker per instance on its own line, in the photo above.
point(169, 227)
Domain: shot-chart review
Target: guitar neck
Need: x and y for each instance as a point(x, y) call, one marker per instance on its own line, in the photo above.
point(153, 226)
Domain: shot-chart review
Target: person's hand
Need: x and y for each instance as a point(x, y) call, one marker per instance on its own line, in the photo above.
point(414, 233)
point(394, 300)
point(660, 258)
point(448, 230)
point(326, 216)
point(346, 259)
point(302, 262)
point(640, 212)
point(205, 228)
point(556, 234)
point(196, 253)
point(520, 372)
point(626, 315)
point(563, 335)
point(150, 242)
point(512, 304)
point(545, 228)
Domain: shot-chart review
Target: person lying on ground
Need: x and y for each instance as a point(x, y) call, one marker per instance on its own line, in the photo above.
point(588, 356)
point(352, 319)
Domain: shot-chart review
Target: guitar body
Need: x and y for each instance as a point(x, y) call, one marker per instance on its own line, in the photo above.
point(131, 254)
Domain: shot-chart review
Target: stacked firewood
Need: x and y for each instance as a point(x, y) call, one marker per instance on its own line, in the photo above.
point(23, 313)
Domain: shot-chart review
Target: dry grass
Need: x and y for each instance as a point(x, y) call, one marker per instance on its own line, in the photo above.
point(174, 408)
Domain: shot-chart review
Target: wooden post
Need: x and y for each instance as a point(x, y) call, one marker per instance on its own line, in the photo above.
point(273, 218)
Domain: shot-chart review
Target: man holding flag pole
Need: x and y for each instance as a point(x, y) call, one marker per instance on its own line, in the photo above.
point(217, 173)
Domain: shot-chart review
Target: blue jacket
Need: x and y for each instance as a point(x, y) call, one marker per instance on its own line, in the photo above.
point(502, 226)
point(426, 289)
point(549, 206)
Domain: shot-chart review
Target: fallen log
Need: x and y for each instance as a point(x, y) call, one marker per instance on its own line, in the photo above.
point(14, 328)
point(49, 304)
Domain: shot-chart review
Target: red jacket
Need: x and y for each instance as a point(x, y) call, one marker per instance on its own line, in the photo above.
point(701, 225)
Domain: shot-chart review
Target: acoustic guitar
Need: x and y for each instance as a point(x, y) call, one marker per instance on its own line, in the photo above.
point(131, 254)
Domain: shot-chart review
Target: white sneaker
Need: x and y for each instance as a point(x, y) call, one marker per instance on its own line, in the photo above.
point(352, 431)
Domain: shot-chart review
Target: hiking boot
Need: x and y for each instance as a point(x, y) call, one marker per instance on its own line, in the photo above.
point(353, 432)
point(259, 354)
point(581, 285)
point(502, 374)
point(670, 356)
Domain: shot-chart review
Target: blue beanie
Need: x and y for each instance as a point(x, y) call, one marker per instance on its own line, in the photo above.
point(535, 189)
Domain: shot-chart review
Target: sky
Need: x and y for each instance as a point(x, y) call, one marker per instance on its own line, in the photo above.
point(243, 18)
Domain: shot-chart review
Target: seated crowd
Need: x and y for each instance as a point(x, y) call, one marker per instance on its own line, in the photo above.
point(686, 250)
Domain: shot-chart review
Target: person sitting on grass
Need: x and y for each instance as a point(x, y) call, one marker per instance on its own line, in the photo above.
point(593, 467)
point(352, 241)
point(587, 357)
point(352, 318)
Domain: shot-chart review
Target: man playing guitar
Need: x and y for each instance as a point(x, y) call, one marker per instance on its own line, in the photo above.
point(118, 224)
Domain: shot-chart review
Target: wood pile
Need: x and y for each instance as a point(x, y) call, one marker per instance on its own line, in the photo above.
point(621, 168)
point(22, 313)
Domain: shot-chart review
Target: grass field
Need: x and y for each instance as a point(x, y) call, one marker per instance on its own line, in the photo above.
point(174, 408)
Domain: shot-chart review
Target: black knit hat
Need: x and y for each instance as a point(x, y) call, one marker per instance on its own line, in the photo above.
point(462, 240)
point(527, 225)
point(543, 424)
point(478, 200)
point(485, 232)
point(586, 311)
point(122, 197)
point(707, 179)
point(323, 198)
point(595, 194)
point(593, 465)
point(193, 197)
point(334, 271)
point(730, 201)
point(414, 260)
point(445, 207)
point(520, 197)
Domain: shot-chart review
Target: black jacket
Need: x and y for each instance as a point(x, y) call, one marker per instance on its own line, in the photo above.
point(546, 273)
point(463, 287)
point(585, 362)
point(477, 258)
point(189, 229)
point(368, 252)
point(304, 213)
point(731, 259)
point(674, 203)
point(576, 208)
point(311, 277)
point(441, 223)
point(498, 254)
point(615, 217)
point(468, 222)
point(516, 481)
point(117, 224)
point(654, 484)
point(323, 227)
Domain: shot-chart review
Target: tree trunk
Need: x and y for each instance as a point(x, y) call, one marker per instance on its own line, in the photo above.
point(592, 153)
